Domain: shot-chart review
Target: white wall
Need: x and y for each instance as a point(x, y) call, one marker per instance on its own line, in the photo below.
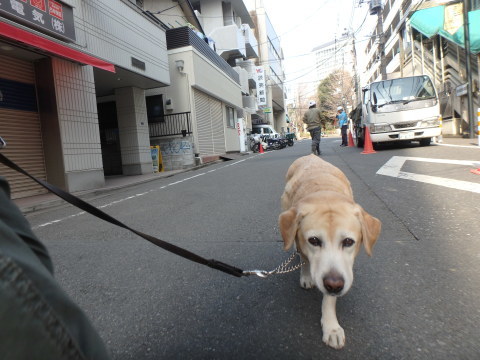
point(115, 30)
point(212, 14)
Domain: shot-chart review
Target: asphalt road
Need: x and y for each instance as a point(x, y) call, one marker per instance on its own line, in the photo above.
point(417, 297)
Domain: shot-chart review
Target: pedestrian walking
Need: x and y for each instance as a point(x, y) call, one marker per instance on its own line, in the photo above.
point(343, 124)
point(313, 119)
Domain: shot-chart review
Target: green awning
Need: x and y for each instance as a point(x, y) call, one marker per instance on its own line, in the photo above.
point(430, 22)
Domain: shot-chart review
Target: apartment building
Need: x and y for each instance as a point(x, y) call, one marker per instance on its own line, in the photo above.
point(417, 41)
point(72, 82)
point(209, 46)
point(271, 91)
point(334, 55)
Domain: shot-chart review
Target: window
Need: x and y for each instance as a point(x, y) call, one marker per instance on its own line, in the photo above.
point(155, 108)
point(230, 116)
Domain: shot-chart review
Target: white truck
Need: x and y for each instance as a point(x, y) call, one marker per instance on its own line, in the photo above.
point(402, 109)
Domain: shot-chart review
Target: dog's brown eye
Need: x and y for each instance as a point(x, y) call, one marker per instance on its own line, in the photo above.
point(347, 242)
point(315, 241)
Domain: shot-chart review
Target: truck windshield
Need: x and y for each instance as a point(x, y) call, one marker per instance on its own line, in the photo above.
point(403, 90)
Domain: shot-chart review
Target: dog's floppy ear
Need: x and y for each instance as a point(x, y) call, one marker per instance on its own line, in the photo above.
point(288, 224)
point(371, 228)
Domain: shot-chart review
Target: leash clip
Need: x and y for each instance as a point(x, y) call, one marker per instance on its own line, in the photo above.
point(260, 273)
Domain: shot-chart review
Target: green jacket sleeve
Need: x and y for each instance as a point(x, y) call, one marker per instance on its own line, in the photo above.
point(38, 319)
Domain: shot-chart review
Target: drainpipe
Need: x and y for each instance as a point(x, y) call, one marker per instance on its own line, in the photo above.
point(468, 68)
point(442, 62)
point(413, 50)
point(434, 51)
point(423, 54)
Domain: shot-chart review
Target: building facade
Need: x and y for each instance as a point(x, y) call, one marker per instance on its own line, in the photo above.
point(412, 48)
point(212, 84)
point(73, 81)
point(334, 55)
point(272, 109)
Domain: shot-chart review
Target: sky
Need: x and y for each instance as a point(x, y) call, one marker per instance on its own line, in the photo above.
point(305, 24)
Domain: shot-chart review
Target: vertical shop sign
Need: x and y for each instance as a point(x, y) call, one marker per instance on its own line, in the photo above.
point(261, 87)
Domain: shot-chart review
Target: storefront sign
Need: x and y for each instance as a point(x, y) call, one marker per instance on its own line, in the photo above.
point(241, 134)
point(157, 161)
point(453, 19)
point(261, 86)
point(50, 16)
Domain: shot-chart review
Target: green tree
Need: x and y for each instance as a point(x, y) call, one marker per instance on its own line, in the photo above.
point(337, 89)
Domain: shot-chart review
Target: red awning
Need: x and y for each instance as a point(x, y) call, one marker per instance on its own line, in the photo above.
point(52, 47)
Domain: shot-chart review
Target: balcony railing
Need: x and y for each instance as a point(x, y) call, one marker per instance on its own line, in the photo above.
point(170, 125)
point(184, 36)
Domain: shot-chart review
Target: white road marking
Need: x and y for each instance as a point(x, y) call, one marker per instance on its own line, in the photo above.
point(141, 194)
point(393, 168)
point(461, 146)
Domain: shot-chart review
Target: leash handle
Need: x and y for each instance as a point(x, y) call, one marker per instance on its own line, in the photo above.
point(75, 201)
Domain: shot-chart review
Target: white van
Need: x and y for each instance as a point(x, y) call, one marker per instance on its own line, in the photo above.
point(267, 130)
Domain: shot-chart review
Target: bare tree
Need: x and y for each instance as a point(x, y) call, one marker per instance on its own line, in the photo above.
point(303, 95)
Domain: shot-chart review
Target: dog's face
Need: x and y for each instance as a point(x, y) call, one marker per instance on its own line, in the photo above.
point(329, 232)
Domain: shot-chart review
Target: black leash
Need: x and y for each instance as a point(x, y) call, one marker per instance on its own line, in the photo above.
point(214, 264)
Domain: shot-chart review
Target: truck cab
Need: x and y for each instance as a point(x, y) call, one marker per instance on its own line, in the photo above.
point(402, 109)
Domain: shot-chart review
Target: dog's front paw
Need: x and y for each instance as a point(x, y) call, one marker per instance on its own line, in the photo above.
point(306, 281)
point(334, 336)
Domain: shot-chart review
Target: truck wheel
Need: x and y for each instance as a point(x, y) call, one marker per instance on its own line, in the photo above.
point(425, 141)
point(359, 136)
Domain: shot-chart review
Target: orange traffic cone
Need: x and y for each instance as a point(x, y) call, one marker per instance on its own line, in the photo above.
point(368, 146)
point(260, 147)
point(350, 139)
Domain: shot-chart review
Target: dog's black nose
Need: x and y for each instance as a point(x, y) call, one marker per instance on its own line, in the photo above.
point(333, 282)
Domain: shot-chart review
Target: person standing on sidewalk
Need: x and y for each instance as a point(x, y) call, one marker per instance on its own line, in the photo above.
point(343, 124)
point(312, 118)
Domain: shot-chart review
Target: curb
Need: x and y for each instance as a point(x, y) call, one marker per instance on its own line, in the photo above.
point(97, 193)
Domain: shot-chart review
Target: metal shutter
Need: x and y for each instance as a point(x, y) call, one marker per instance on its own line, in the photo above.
point(21, 128)
point(204, 128)
point(218, 134)
point(209, 120)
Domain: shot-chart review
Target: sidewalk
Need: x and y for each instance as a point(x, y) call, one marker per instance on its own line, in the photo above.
point(459, 141)
point(44, 201)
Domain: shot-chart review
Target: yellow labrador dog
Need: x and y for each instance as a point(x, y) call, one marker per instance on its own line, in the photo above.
point(327, 227)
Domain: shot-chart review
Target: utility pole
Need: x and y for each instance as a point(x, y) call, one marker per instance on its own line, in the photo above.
point(381, 44)
point(468, 68)
point(356, 81)
point(376, 7)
